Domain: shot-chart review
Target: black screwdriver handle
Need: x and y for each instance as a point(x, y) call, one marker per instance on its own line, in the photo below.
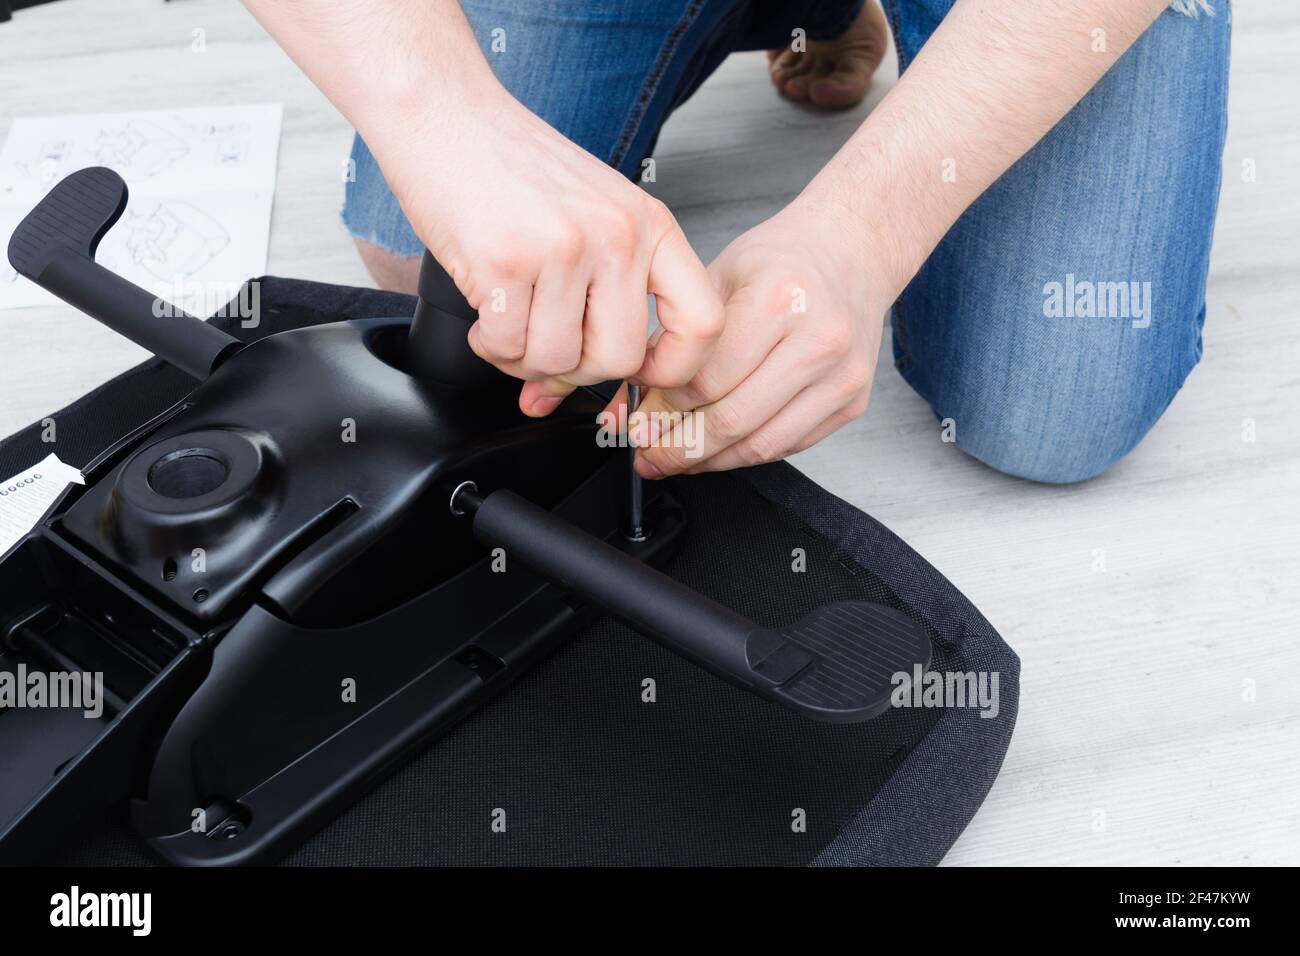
point(838, 664)
point(437, 345)
point(55, 245)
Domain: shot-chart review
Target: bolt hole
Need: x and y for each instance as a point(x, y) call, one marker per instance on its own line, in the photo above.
point(229, 831)
point(200, 595)
point(169, 570)
point(188, 473)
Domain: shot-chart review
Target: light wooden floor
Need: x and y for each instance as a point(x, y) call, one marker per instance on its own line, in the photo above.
point(1137, 742)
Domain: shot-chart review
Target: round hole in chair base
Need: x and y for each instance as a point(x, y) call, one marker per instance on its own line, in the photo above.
point(188, 473)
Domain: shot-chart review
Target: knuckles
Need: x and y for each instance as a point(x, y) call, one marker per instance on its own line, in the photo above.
point(855, 409)
point(498, 354)
point(832, 338)
point(726, 421)
point(657, 213)
point(621, 231)
point(510, 260)
point(553, 361)
point(566, 246)
point(709, 319)
point(759, 449)
point(856, 379)
point(622, 366)
point(786, 290)
point(703, 389)
point(501, 337)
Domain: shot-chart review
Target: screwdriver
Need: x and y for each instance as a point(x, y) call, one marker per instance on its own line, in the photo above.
point(635, 530)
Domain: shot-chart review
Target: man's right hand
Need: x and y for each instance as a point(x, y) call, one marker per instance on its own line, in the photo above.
point(558, 252)
point(555, 250)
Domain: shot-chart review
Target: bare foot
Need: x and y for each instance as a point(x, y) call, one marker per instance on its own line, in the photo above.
point(833, 73)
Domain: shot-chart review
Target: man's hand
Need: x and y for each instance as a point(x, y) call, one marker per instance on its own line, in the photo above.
point(796, 358)
point(557, 252)
point(994, 77)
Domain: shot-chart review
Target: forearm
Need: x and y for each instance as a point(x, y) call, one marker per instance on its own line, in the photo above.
point(992, 80)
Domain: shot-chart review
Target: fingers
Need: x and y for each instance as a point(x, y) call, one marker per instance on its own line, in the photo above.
point(739, 353)
point(554, 342)
point(611, 341)
point(834, 423)
point(689, 309)
point(709, 430)
point(548, 323)
point(555, 317)
point(500, 335)
point(615, 331)
point(585, 318)
point(539, 399)
point(789, 432)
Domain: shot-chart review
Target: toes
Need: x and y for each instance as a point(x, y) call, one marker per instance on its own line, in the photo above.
point(842, 89)
point(797, 86)
point(789, 72)
point(782, 60)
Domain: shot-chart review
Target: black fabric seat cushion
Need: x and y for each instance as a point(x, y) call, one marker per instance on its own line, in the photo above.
point(589, 774)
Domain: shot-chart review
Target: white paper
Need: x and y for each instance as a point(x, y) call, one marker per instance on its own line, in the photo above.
point(201, 183)
point(27, 495)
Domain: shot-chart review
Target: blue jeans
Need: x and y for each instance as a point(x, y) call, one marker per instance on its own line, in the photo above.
point(1055, 322)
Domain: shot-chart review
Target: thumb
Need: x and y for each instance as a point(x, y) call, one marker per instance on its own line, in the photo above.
point(689, 309)
point(539, 399)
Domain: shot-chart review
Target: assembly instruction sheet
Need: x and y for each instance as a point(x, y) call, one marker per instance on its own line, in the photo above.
point(198, 221)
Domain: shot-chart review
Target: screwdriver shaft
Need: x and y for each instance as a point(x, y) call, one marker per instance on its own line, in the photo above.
point(635, 530)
